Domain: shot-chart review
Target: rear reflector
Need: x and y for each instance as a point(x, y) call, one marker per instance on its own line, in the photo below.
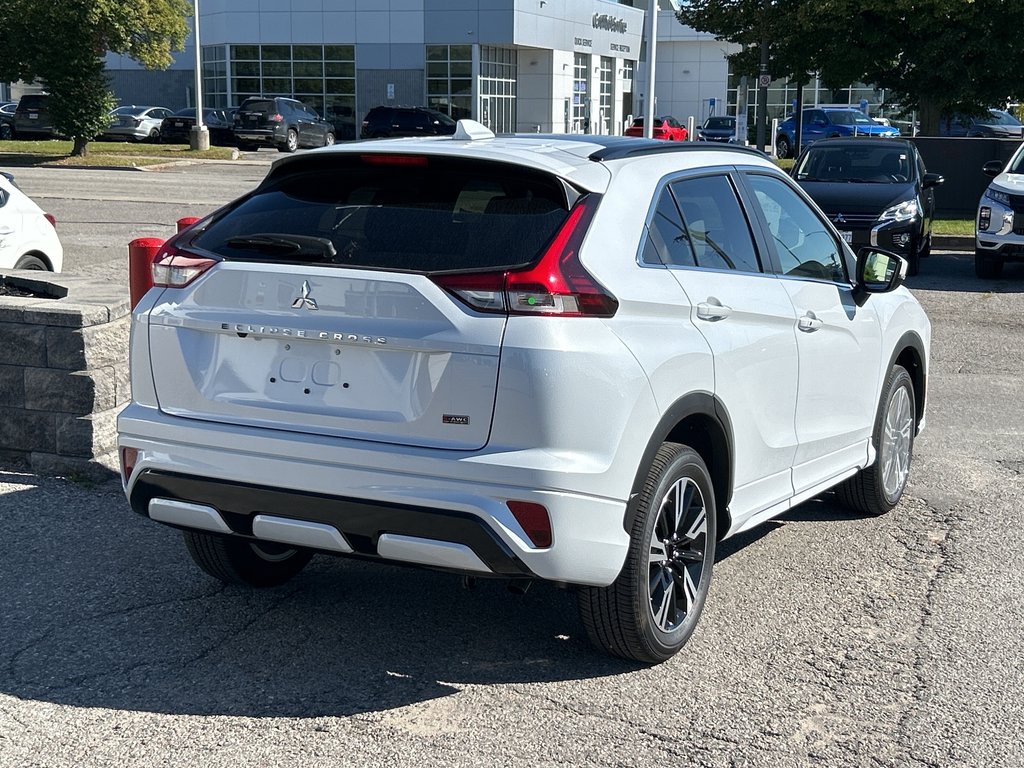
point(557, 285)
point(534, 520)
point(129, 458)
point(52, 219)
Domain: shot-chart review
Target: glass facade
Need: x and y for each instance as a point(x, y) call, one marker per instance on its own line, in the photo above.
point(607, 88)
point(581, 94)
point(498, 88)
point(321, 76)
point(450, 79)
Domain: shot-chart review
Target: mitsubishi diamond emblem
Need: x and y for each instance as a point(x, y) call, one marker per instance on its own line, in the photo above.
point(840, 219)
point(305, 301)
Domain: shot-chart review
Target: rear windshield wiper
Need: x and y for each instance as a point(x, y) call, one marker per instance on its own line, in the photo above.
point(285, 244)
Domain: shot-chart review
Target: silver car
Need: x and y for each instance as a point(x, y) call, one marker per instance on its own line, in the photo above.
point(136, 123)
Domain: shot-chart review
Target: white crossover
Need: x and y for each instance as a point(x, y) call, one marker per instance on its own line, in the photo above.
point(583, 359)
point(28, 235)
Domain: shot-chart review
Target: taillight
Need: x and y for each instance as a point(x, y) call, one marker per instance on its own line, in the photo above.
point(51, 218)
point(557, 285)
point(175, 268)
point(391, 159)
point(275, 118)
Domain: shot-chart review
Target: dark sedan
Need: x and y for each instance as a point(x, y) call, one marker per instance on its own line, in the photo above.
point(876, 192)
point(178, 127)
point(718, 128)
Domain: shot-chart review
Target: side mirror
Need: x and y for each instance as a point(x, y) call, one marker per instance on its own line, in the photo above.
point(932, 180)
point(878, 271)
point(992, 168)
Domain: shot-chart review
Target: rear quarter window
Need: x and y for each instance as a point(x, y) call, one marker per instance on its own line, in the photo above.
point(436, 215)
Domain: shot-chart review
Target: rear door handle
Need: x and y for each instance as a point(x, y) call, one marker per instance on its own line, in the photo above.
point(712, 311)
point(808, 323)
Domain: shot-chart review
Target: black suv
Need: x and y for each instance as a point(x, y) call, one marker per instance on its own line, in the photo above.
point(32, 117)
point(385, 122)
point(279, 122)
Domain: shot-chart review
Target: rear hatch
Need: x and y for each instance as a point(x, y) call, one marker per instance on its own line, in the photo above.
point(324, 310)
point(257, 114)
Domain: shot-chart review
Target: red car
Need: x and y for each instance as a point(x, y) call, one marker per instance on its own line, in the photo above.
point(666, 127)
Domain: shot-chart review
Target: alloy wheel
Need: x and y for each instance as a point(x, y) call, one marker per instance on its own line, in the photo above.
point(897, 438)
point(676, 560)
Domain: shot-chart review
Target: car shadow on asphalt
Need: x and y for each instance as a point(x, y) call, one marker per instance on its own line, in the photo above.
point(954, 272)
point(102, 608)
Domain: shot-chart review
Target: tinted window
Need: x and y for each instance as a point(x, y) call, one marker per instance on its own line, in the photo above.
point(805, 246)
point(716, 225)
point(720, 123)
point(32, 101)
point(880, 164)
point(668, 241)
point(443, 214)
point(262, 105)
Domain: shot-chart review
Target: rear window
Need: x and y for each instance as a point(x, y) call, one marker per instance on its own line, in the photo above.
point(427, 214)
point(32, 101)
point(263, 105)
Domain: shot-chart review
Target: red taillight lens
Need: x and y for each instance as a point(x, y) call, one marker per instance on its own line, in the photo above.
point(534, 520)
point(129, 458)
point(52, 219)
point(175, 268)
point(558, 284)
point(275, 118)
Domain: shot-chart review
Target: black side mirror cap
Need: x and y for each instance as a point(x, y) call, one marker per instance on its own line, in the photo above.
point(992, 168)
point(932, 180)
point(878, 271)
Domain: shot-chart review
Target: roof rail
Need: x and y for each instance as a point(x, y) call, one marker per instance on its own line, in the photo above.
point(637, 147)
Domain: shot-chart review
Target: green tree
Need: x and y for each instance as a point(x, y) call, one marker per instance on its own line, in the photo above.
point(61, 43)
point(936, 56)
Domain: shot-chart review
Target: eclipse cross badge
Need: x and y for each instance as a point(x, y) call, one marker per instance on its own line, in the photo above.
point(305, 301)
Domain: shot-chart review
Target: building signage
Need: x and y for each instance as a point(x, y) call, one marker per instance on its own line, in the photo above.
point(609, 23)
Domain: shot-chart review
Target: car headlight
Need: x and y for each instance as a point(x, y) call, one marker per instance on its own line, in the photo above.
point(904, 211)
point(998, 196)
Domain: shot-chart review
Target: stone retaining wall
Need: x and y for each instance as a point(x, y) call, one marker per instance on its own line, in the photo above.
point(63, 373)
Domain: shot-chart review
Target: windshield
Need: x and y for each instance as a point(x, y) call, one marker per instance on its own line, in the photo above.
point(848, 117)
point(863, 165)
point(725, 123)
point(998, 117)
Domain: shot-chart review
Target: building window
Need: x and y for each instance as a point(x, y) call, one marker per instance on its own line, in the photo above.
point(604, 123)
point(581, 94)
point(321, 76)
point(215, 76)
point(498, 88)
point(450, 79)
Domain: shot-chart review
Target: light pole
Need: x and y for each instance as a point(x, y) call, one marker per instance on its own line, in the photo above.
point(652, 32)
point(199, 136)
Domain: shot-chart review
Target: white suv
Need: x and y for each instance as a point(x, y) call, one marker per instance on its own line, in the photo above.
point(580, 359)
point(999, 226)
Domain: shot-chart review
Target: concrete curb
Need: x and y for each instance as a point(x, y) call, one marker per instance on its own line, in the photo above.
point(953, 242)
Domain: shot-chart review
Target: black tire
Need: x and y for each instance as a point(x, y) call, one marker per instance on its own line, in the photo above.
point(31, 262)
point(329, 139)
point(986, 267)
point(782, 147)
point(154, 136)
point(241, 561)
point(878, 488)
point(668, 565)
point(913, 262)
point(6, 132)
point(291, 142)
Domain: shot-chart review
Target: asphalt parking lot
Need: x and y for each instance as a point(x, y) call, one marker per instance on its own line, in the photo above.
point(829, 639)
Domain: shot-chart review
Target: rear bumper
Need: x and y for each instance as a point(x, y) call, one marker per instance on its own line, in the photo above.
point(261, 136)
point(371, 494)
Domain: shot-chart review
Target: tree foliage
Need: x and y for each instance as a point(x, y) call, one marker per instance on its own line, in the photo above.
point(937, 56)
point(61, 43)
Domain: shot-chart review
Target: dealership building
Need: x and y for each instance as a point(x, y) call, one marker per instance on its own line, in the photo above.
point(562, 66)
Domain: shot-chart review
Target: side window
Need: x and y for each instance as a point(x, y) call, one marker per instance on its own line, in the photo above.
point(405, 121)
point(667, 242)
point(717, 227)
point(805, 246)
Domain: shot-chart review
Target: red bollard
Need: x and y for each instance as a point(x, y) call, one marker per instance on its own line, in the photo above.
point(186, 222)
point(141, 255)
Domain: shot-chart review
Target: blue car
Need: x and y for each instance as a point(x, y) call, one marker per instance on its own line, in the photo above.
point(826, 123)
